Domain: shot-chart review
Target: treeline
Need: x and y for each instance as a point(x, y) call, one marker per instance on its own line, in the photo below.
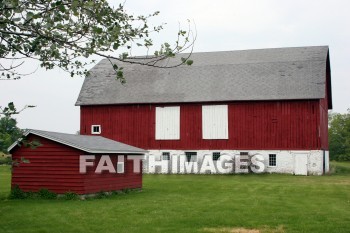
point(339, 136)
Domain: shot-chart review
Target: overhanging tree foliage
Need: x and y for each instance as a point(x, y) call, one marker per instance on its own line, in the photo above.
point(58, 33)
point(66, 33)
point(12, 110)
point(339, 136)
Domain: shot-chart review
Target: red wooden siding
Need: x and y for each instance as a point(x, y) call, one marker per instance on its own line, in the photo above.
point(55, 166)
point(325, 104)
point(107, 181)
point(252, 125)
point(324, 124)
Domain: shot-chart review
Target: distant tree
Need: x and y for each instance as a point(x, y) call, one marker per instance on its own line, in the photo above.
point(59, 33)
point(339, 136)
point(9, 132)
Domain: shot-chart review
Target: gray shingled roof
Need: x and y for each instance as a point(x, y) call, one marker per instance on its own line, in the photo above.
point(262, 74)
point(91, 144)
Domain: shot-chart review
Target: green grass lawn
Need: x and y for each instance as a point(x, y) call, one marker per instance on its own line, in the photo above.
point(194, 203)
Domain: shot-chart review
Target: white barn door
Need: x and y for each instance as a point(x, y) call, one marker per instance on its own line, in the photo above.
point(215, 121)
point(300, 164)
point(168, 123)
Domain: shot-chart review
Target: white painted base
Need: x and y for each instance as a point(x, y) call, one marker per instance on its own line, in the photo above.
point(326, 158)
point(286, 161)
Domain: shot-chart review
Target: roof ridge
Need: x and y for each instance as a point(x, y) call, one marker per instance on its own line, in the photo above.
point(102, 144)
point(238, 50)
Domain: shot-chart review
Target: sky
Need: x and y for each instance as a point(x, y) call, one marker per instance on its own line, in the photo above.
point(221, 26)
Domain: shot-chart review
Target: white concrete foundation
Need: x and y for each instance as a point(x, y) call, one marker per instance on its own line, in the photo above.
point(308, 162)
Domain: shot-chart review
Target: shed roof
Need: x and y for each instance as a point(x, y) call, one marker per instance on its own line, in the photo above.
point(261, 74)
point(90, 144)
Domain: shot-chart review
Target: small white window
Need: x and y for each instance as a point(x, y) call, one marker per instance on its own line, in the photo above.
point(96, 129)
point(215, 122)
point(168, 123)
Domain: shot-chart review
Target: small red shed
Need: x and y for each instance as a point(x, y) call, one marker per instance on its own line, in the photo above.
point(76, 163)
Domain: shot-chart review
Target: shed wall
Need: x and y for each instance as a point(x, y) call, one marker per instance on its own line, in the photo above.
point(108, 181)
point(52, 165)
point(55, 166)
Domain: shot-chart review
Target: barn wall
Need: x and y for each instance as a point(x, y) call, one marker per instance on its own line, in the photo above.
point(324, 106)
point(292, 125)
point(53, 166)
point(324, 124)
point(109, 181)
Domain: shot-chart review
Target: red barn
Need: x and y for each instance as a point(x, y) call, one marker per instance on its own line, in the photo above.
point(273, 102)
point(55, 164)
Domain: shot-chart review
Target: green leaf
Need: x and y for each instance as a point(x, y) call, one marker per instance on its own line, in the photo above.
point(98, 30)
point(11, 106)
point(189, 62)
point(29, 15)
point(62, 8)
point(115, 46)
point(120, 74)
